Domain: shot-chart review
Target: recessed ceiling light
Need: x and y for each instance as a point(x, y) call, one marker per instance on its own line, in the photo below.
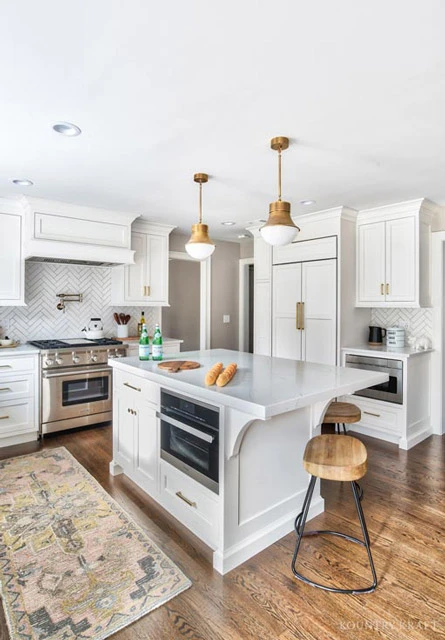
point(23, 183)
point(67, 129)
point(242, 235)
point(307, 202)
point(228, 223)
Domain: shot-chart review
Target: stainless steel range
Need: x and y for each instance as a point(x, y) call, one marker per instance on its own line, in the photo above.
point(75, 387)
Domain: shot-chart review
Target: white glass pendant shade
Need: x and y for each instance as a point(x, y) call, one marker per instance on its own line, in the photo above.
point(278, 234)
point(199, 250)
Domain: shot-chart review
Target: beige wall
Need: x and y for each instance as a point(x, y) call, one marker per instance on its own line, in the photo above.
point(246, 249)
point(224, 293)
point(181, 319)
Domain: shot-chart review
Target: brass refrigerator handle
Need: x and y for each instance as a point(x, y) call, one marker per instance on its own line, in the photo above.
point(147, 290)
point(302, 317)
point(297, 316)
point(382, 292)
point(387, 288)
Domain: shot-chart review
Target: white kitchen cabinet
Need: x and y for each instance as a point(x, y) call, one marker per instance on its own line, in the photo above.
point(136, 429)
point(262, 274)
point(170, 348)
point(12, 266)
point(145, 282)
point(304, 311)
point(19, 398)
point(394, 255)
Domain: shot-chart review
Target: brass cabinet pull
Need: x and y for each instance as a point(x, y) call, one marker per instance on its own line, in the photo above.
point(4, 417)
point(189, 502)
point(6, 389)
point(368, 413)
point(297, 316)
point(302, 317)
point(146, 290)
point(5, 366)
point(382, 292)
point(130, 386)
point(387, 288)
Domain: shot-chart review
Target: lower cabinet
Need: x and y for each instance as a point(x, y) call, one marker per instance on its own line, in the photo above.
point(136, 430)
point(18, 399)
point(170, 349)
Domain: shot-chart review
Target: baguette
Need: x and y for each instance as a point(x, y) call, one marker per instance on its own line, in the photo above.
point(226, 375)
point(213, 373)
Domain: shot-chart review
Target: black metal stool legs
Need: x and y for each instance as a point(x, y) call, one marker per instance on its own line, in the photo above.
point(300, 522)
point(338, 426)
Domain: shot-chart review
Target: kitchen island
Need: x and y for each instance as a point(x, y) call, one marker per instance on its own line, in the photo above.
point(267, 413)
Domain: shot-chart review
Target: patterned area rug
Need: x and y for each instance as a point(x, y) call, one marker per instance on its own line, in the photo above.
point(73, 565)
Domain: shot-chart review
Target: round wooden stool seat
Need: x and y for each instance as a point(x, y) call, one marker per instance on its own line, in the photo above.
point(342, 413)
point(334, 457)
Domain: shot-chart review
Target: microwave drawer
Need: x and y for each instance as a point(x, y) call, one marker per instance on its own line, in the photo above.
point(191, 503)
point(377, 415)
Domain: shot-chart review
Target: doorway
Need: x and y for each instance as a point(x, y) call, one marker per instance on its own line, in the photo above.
point(246, 299)
point(188, 316)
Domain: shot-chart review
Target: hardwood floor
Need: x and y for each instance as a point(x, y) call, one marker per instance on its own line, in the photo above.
point(404, 507)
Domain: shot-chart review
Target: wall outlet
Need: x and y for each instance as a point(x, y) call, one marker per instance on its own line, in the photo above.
point(404, 324)
point(226, 319)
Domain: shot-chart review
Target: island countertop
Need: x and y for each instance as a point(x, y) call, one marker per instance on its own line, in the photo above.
point(263, 386)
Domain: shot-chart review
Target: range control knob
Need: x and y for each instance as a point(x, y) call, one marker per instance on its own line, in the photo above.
point(49, 362)
point(59, 360)
point(93, 357)
point(75, 357)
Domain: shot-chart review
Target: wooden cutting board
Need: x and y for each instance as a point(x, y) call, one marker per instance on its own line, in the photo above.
point(173, 366)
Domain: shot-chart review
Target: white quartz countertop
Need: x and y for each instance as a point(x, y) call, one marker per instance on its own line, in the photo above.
point(384, 351)
point(263, 386)
point(21, 350)
point(135, 341)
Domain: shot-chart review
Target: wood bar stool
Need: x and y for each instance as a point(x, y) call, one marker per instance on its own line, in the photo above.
point(342, 413)
point(332, 457)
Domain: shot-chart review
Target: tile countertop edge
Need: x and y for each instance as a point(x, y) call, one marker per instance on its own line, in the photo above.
point(385, 352)
point(261, 411)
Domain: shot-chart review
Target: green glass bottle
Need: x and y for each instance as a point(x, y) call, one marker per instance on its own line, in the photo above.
point(144, 344)
point(156, 344)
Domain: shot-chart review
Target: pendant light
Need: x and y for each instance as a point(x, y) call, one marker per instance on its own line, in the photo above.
point(200, 246)
point(279, 228)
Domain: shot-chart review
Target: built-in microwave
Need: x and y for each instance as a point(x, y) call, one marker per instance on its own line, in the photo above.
point(390, 391)
point(190, 438)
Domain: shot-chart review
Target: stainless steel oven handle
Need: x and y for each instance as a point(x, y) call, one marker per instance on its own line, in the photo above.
point(74, 372)
point(185, 427)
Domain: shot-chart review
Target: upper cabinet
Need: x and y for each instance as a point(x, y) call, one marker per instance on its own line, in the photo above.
point(394, 255)
point(12, 290)
point(145, 282)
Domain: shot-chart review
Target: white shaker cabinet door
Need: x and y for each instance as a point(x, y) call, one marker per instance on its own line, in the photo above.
point(371, 263)
point(286, 340)
point(135, 274)
point(401, 260)
point(11, 263)
point(123, 429)
point(319, 312)
point(262, 319)
point(157, 269)
point(146, 446)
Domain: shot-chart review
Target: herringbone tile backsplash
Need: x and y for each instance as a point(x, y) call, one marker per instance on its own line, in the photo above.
point(41, 320)
point(416, 322)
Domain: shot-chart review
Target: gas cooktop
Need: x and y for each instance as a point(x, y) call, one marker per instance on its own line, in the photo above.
point(73, 342)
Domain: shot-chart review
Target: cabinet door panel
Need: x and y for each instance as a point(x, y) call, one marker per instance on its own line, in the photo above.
point(319, 295)
point(11, 267)
point(401, 260)
point(135, 278)
point(262, 319)
point(146, 446)
point(286, 341)
point(371, 262)
point(156, 275)
point(263, 260)
point(123, 430)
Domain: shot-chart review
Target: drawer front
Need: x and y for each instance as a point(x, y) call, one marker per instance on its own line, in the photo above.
point(143, 389)
point(377, 415)
point(16, 417)
point(171, 349)
point(17, 387)
point(18, 363)
point(191, 503)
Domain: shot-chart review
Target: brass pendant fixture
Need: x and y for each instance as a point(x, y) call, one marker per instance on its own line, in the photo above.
point(200, 246)
point(279, 228)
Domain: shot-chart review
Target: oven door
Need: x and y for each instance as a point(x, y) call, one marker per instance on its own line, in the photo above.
point(71, 394)
point(191, 448)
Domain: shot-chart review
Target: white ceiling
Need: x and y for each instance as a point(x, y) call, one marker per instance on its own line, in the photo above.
point(162, 90)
